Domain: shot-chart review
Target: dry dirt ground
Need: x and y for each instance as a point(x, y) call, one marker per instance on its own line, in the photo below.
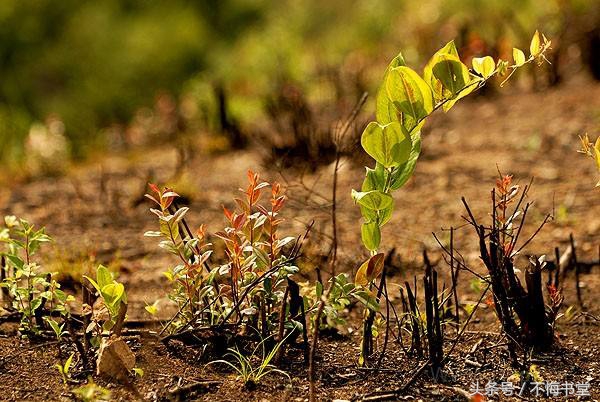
point(95, 214)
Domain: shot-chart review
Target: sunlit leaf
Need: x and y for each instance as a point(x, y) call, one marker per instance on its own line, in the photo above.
point(410, 95)
point(518, 57)
point(484, 66)
point(389, 145)
point(403, 172)
point(374, 178)
point(385, 112)
point(103, 276)
point(535, 45)
point(374, 200)
point(434, 83)
point(452, 73)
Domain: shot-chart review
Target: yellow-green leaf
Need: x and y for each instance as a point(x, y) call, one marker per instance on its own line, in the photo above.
point(434, 83)
point(401, 174)
point(484, 66)
point(373, 200)
point(374, 178)
point(452, 73)
point(518, 57)
point(535, 45)
point(448, 53)
point(389, 145)
point(410, 95)
point(371, 235)
point(385, 112)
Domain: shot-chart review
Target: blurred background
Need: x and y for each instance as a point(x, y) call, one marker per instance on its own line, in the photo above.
point(79, 79)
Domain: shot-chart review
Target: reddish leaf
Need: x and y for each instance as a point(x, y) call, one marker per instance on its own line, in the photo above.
point(154, 188)
point(227, 213)
point(369, 270)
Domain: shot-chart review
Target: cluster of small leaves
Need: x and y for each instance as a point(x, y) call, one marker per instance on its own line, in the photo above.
point(252, 279)
point(343, 293)
point(253, 248)
point(111, 310)
point(191, 285)
point(403, 103)
point(34, 294)
point(592, 150)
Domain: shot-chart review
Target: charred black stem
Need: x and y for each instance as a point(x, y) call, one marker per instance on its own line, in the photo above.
point(435, 336)
point(577, 272)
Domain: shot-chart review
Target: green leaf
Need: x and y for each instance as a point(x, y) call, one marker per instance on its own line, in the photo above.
point(518, 57)
point(369, 215)
point(484, 66)
point(409, 94)
point(371, 235)
point(452, 73)
point(319, 289)
point(449, 55)
point(113, 293)
point(262, 257)
point(367, 298)
point(402, 173)
point(385, 112)
point(94, 283)
point(17, 262)
point(385, 215)
point(374, 178)
point(434, 83)
point(67, 365)
point(54, 325)
point(103, 276)
point(389, 145)
point(374, 200)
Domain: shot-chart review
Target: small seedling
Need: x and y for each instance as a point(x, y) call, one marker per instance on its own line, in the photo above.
point(248, 371)
point(115, 358)
point(64, 369)
point(113, 297)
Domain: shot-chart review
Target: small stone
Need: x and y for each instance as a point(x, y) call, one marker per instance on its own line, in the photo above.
point(115, 359)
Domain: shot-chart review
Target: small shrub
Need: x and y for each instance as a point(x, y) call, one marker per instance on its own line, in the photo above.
point(114, 357)
point(525, 318)
point(110, 315)
point(403, 103)
point(249, 286)
point(31, 292)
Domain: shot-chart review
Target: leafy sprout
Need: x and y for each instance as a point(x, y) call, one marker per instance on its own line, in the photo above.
point(592, 150)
